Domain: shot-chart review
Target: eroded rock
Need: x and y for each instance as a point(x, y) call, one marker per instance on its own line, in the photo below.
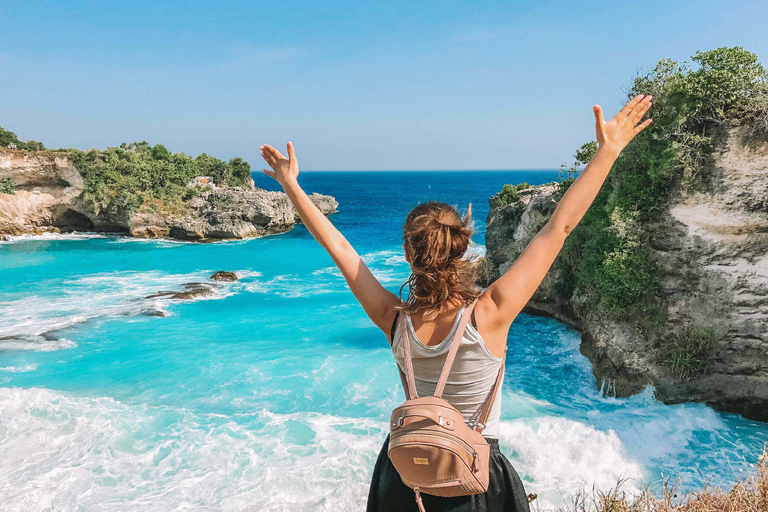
point(49, 194)
point(712, 251)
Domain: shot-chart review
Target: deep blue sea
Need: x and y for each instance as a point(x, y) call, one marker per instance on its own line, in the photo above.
point(274, 393)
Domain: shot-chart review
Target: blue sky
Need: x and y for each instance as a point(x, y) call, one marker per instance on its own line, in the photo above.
point(355, 85)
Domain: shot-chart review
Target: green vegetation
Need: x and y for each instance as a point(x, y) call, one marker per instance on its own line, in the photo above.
point(511, 193)
point(133, 176)
point(689, 354)
point(606, 260)
point(7, 186)
point(7, 138)
point(583, 156)
point(138, 175)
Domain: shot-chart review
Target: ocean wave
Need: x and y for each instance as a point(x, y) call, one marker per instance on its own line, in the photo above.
point(22, 368)
point(32, 322)
point(93, 453)
point(475, 250)
point(561, 457)
point(36, 343)
point(57, 236)
point(385, 265)
point(99, 453)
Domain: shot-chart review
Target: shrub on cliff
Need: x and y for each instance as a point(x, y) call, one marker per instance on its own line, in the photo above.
point(511, 193)
point(122, 179)
point(7, 186)
point(7, 138)
point(606, 260)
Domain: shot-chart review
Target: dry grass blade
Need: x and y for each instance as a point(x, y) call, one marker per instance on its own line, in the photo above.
point(749, 494)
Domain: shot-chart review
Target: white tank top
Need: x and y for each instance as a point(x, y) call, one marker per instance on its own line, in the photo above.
point(472, 375)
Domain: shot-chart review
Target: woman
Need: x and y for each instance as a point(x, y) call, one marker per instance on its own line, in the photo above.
point(441, 286)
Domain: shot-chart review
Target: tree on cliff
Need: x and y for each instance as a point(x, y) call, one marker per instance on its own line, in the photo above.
point(125, 178)
point(7, 138)
point(607, 262)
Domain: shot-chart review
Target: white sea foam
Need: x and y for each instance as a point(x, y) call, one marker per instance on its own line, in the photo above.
point(36, 343)
point(558, 457)
point(56, 236)
point(22, 368)
point(63, 451)
point(383, 265)
point(30, 322)
point(474, 250)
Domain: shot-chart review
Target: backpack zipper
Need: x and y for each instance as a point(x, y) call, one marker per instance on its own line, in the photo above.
point(456, 440)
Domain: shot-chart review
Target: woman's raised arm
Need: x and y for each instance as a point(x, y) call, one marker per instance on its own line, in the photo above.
point(376, 300)
point(503, 300)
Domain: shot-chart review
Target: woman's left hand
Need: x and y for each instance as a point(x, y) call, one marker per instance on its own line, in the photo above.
point(619, 131)
point(284, 170)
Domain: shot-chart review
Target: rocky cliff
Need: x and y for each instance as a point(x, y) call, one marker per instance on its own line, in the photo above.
point(49, 198)
point(711, 249)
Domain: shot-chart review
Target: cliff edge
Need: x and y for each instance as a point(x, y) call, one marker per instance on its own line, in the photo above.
point(710, 249)
point(49, 195)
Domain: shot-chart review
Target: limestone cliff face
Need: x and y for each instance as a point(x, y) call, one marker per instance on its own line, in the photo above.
point(712, 247)
point(47, 183)
point(49, 198)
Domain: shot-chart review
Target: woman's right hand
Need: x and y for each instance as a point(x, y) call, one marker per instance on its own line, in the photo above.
point(284, 170)
point(619, 131)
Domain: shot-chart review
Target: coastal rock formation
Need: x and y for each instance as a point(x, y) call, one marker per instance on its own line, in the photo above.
point(190, 291)
point(711, 247)
point(49, 198)
point(223, 275)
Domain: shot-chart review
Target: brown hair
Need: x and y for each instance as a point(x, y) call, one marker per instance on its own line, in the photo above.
point(437, 239)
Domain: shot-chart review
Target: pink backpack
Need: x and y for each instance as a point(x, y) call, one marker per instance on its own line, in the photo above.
point(430, 445)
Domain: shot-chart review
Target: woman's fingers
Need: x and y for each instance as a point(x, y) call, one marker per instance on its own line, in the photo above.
point(640, 109)
point(641, 127)
point(270, 154)
point(629, 107)
point(267, 156)
point(291, 152)
point(275, 153)
point(271, 174)
point(599, 121)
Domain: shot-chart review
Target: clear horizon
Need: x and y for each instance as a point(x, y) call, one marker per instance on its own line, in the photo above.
point(356, 86)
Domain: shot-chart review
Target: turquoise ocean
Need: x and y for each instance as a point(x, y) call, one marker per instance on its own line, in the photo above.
point(274, 393)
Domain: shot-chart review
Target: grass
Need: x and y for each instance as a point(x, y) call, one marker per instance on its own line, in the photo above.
point(689, 354)
point(749, 494)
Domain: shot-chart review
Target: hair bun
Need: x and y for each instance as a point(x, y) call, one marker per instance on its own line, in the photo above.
point(439, 270)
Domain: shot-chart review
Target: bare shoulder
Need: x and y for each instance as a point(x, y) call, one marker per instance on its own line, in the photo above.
point(491, 325)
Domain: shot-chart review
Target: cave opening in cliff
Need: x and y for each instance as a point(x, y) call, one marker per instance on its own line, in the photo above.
point(71, 220)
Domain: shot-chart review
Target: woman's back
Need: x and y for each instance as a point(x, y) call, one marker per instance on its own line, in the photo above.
point(473, 373)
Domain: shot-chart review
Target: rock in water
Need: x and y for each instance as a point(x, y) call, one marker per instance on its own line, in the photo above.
point(223, 275)
point(712, 249)
point(191, 291)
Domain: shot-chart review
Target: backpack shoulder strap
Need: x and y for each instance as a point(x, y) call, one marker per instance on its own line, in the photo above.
point(403, 378)
point(454, 348)
point(485, 410)
point(409, 386)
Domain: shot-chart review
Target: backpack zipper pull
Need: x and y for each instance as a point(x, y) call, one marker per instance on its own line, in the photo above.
point(418, 499)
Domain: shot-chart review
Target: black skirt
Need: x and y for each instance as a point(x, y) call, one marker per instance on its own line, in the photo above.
point(505, 491)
